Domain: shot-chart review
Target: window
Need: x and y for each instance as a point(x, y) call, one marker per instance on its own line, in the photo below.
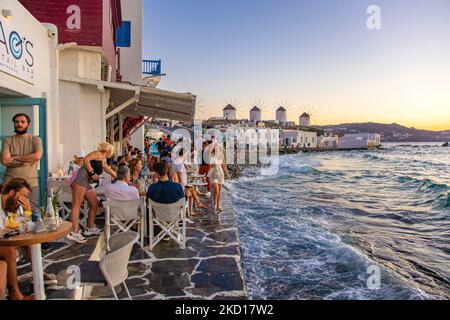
point(123, 37)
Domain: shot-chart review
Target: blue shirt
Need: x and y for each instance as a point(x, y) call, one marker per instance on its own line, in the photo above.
point(166, 192)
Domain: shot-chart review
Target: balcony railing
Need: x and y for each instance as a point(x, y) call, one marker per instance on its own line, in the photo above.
point(151, 67)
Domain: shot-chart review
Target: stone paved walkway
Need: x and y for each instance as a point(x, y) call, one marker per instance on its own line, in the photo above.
point(209, 268)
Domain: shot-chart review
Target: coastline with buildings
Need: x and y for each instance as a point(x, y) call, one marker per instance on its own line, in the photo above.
point(301, 137)
point(341, 201)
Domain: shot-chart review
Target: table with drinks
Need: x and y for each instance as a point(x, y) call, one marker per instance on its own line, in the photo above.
point(20, 231)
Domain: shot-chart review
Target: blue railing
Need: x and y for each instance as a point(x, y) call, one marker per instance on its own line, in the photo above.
point(151, 67)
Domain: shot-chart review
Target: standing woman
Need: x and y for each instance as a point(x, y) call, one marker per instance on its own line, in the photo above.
point(216, 174)
point(93, 166)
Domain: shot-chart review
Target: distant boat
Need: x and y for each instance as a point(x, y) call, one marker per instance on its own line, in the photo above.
point(446, 145)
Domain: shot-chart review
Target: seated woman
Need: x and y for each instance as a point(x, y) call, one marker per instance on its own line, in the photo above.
point(136, 167)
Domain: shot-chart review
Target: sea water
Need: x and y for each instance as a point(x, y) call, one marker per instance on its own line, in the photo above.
point(321, 226)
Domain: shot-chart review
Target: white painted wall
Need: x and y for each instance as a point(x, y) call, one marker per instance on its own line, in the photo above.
point(131, 58)
point(81, 106)
point(137, 139)
point(360, 141)
point(298, 138)
point(328, 142)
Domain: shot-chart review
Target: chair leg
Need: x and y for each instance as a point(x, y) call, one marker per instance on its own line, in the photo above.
point(114, 293)
point(82, 293)
point(184, 234)
point(126, 289)
point(151, 233)
point(141, 229)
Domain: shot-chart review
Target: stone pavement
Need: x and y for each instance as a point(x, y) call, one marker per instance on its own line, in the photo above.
point(209, 268)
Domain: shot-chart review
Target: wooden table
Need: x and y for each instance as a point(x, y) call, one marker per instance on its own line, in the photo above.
point(34, 242)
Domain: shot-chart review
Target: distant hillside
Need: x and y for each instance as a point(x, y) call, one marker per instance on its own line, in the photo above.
point(390, 132)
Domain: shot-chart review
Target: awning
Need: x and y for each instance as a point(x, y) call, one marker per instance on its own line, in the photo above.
point(135, 101)
point(156, 103)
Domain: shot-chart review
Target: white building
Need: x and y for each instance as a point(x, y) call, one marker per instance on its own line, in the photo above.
point(281, 115)
point(69, 89)
point(131, 57)
point(255, 115)
point(27, 84)
point(298, 139)
point(328, 142)
point(229, 112)
point(305, 120)
point(360, 141)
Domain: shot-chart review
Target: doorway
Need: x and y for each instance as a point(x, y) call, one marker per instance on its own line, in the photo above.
point(35, 108)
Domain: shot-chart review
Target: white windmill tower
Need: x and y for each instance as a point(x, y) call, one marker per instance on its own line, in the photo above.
point(256, 112)
point(232, 110)
point(229, 112)
point(306, 117)
point(282, 112)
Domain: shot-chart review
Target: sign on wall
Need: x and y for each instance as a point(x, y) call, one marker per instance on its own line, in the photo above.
point(16, 52)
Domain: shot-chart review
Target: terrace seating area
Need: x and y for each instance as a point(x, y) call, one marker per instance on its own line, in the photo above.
point(208, 268)
point(155, 232)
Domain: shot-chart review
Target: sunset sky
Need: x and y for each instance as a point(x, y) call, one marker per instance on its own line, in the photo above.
point(307, 52)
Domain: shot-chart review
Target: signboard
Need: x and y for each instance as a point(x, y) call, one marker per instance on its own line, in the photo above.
point(16, 52)
point(79, 21)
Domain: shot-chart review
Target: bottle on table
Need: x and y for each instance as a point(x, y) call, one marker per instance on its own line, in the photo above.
point(50, 217)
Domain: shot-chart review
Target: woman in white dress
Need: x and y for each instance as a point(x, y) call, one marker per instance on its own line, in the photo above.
point(216, 175)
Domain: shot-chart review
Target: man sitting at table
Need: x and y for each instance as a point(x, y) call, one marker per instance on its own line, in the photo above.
point(121, 190)
point(14, 194)
point(164, 191)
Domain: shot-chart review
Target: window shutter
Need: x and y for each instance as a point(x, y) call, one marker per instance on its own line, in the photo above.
point(124, 35)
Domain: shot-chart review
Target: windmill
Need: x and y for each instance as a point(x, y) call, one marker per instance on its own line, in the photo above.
point(283, 109)
point(307, 116)
point(234, 111)
point(265, 113)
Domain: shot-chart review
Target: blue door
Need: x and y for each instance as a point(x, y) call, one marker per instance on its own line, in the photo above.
point(36, 109)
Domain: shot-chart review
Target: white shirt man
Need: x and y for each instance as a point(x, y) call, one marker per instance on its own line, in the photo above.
point(121, 190)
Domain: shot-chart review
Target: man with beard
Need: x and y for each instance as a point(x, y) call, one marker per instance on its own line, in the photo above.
point(21, 155)
point(13, 195)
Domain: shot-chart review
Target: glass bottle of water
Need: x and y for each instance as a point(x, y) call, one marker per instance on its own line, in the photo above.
point(50, 218)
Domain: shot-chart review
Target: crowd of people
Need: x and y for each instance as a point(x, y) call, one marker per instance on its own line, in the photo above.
point(160, 176)
point(169, 174)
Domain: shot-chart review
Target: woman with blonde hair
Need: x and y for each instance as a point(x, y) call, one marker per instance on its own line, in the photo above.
point(93, 166)
point(217, 173)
